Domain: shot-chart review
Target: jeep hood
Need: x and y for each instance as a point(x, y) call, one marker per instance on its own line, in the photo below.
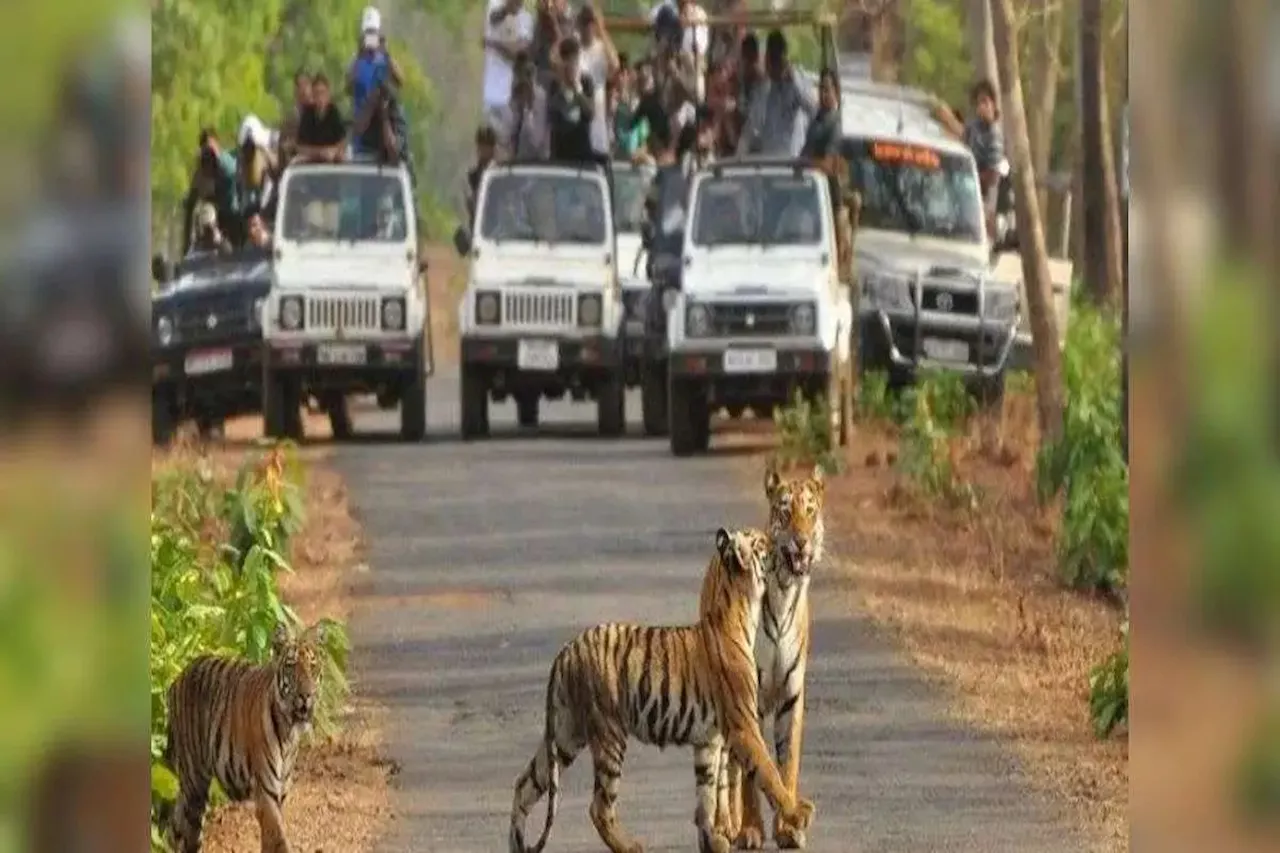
point(346, 268)
point(572, 267)
point(755, 273)
point(893, 252)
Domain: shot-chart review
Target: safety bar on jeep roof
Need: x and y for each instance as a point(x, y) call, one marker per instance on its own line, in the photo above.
point(917, 361)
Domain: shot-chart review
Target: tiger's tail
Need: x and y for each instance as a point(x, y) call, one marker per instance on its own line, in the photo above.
point(542, 776)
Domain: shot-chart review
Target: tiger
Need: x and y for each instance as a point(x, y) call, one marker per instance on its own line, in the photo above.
point(781, 652)
point(240, 723)
point(689, 686)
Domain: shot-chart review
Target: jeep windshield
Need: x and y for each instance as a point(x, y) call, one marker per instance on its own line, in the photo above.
point(344, 206)
point(543, 208)
point(757, 209)
point(915, 189)
point(630, 187)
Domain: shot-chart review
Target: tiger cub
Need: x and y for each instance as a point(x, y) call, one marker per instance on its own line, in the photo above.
point(693, 685)
point(240, 723)
point(782, 653)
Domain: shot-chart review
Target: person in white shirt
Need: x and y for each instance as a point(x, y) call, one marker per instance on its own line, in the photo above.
point(599, 60)
point(508, 30)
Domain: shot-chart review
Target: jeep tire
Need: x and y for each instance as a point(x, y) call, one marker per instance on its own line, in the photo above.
point(611, 405)
point(474, 404)
point(413, 401)
point(164, 416)
point(653, 398)
point(689, 418)
point(527, 409)
point(281, 406)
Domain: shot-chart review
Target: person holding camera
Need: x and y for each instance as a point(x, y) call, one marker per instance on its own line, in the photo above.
point(508, 32)
point(213, 181)
point(571, 107)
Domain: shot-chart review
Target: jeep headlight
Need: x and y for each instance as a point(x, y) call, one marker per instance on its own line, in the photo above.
point(488, 308)
point(393, 313)
point(886, 292)
point(291, 313)
point(589, 306)
point(164, 331)
point(1002, 304)
point(697, 322)
point(803, 319)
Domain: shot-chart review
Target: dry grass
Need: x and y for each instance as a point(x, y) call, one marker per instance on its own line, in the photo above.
point(972, 598)
point(447, 278)
point(341, 799)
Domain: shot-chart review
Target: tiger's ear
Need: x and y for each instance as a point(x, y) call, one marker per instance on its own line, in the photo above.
point(280, 640)
point(818, 479)
point(772, 480)
point(725, 547)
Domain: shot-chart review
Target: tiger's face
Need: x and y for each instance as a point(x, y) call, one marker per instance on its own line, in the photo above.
point(745, 553)
point(795, 522)
point(297, 676)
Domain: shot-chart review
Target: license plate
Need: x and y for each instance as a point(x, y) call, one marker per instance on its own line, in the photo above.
point(538, 355)
point(209, 361)
point(342, 354)
point(750, 361)
point(944, 350)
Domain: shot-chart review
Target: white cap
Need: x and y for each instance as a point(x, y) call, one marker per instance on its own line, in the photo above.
point(370, 20)
point(253, 128)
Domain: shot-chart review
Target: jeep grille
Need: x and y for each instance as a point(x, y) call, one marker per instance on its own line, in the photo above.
point(538, 308)
point(232, 316)
point(754, 319)
point(352, 313)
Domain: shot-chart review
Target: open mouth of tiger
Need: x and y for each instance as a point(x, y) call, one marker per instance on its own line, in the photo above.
point(793, 562)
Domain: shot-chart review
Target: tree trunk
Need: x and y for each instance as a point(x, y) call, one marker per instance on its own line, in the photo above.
point(1102, 271)
point(1046, 70)
point(982, 46)
point(886, 41)
point(1035, 260)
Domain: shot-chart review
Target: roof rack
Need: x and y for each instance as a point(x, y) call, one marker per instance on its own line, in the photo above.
point(796, 164)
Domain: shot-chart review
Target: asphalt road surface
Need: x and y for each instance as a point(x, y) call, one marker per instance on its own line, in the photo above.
point(486, 557)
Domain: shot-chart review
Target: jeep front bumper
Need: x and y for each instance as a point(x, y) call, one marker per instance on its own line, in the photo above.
point(972, 346)
point(572, 355)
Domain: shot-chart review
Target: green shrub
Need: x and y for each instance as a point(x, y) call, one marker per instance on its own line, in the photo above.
point(210, 598)
point(805, 435)
point(1087, 465)
point(933, 411)
point(1109, 690)
point(873, 401)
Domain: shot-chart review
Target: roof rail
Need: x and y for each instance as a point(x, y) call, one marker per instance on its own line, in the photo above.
point(748, 161)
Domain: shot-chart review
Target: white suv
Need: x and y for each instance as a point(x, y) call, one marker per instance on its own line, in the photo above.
point(761, 312)
point(542, 313)
point(347, 312)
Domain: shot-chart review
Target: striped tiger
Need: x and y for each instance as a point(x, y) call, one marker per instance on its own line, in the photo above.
point(240, 723)
point(782, 653)
point(687, 686)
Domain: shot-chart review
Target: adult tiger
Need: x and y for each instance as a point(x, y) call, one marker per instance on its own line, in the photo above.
point(782, 653)
point(692, 685)
point(240, 723)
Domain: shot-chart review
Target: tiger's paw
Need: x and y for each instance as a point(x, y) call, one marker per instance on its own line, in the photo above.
point(750, 838)
point(797, 821)
point(714, 843)
point(789, 837)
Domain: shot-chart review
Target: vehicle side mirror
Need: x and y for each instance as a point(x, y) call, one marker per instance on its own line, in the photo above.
point(160, 271)
point(462, 241)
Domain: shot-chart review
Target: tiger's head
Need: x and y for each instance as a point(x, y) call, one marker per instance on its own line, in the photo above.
point(795, 522)
point(745, 556)
point(297, 662)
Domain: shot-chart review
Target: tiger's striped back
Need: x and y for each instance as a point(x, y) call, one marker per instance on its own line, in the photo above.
point(241, 724)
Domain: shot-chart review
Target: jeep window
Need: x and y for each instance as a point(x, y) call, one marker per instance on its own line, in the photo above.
point(543, 209)
point(344, 206)
point(916, 189)
point(757, 209)
point(630, 187)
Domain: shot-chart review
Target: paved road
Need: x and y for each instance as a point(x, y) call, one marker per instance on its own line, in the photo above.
point(487, 557)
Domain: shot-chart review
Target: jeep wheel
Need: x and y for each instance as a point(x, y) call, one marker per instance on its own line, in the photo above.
point(611, 406)
point(281, 407)
point(475, 405)
point(413, 408)
point(653, 400)
point(527, 410)
point(339, 417)
point(689, 419)
point(164, 417)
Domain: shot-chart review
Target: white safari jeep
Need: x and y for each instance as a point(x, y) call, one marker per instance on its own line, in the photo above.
point(542, 313)
point(761, 311)
point(347, 312)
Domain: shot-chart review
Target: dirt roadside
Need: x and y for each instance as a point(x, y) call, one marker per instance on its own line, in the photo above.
point(972, 599)
point(341, 796)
